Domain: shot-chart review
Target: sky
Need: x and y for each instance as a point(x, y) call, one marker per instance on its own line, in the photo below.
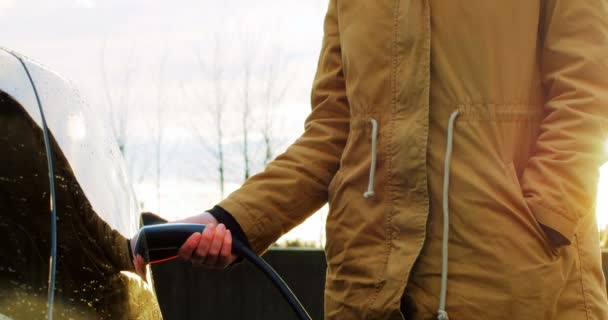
point(144, 55)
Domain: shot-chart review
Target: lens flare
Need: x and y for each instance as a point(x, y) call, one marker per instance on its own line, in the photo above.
point(602, 199)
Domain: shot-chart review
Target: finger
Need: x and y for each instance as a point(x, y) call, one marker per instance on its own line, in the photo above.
point(137, 264)
point(227, 246)
point(216, 246)
point(186, 250)
point(140, 267)
point(201, 251)
point(226, 253)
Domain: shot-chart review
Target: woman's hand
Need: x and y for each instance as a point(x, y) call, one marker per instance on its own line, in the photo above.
point(212, 248)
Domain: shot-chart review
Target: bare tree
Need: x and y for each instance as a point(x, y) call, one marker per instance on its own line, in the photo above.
point(216, 108)
point(120, 106)
point(159, 127)
point(246, 109)
point(273, 95)
point(120, 103)
point(163, 146)
point(220, 100)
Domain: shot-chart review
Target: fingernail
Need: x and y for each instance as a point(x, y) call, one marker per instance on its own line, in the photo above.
point(221, 227)
point(208, 229)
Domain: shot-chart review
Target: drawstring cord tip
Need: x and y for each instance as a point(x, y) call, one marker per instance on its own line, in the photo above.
point(372, 166)
point(442, 315)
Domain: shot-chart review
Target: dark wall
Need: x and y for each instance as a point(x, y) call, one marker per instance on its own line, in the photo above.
point(242, 292)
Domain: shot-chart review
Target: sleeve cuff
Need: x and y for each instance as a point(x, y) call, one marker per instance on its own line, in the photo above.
point(223, 216)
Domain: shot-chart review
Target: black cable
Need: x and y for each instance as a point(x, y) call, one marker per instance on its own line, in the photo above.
point(272, 275)
point(53, 202)
point(158, 243)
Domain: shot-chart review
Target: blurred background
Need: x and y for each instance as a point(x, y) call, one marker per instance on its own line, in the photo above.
point(200, 94)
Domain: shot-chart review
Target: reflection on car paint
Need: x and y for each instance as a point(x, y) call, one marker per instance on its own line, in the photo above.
point(84, 136)
point(91, 254)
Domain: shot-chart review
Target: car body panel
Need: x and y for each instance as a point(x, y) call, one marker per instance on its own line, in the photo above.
point(82, 134)
point(96, 208)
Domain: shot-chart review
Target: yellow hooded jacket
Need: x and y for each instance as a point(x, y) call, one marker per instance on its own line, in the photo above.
point(492, 113)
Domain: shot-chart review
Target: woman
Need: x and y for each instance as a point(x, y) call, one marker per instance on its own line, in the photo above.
point(489, 113)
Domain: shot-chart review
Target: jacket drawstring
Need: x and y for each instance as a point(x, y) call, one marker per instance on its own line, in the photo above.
point(372, 167)
point(441, 313)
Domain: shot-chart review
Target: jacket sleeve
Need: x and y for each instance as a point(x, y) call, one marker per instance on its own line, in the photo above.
point(294, 185)
point(560, 180)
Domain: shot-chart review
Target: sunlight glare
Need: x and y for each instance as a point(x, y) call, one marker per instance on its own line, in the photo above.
point(601, 210)
point(76, 127)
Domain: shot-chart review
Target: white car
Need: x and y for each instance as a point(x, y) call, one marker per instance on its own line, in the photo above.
point(85, 274)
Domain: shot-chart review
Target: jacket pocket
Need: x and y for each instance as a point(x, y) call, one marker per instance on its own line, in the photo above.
point(515, 185)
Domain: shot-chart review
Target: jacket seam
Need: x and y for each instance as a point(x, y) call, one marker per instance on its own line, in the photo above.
point(390, 151)
point(425, 199)
point(517, 107)
point(583, 290)
point(480, 112)
point(501, 102)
